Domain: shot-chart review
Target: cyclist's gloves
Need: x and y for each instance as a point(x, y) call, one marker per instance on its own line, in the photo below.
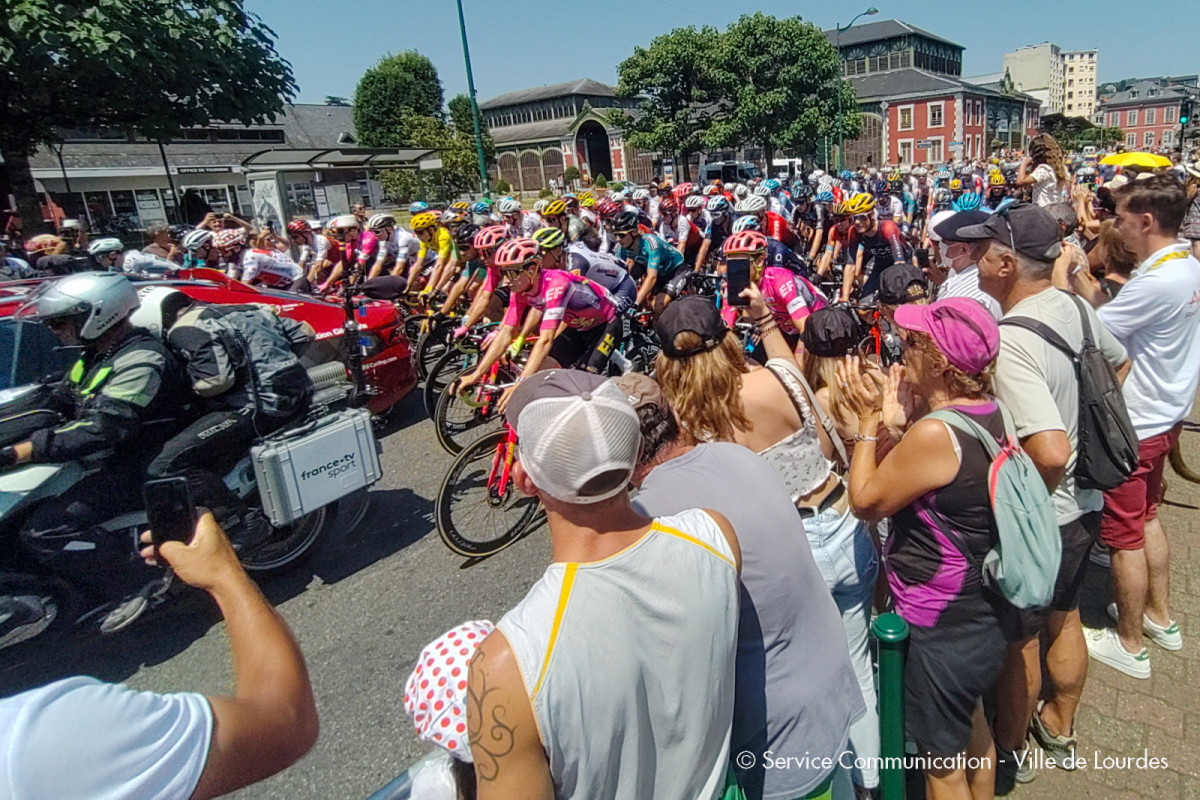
point(516, 346)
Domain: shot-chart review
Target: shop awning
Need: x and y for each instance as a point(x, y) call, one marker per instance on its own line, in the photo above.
point(299, 160)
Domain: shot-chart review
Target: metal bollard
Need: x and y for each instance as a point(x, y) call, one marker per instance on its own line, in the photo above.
point(892, 633)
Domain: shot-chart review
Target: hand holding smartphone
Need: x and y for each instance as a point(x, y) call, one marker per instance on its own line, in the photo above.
point(737, 280)
point(170, 510)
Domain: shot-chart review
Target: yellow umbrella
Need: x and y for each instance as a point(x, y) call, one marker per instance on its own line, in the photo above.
point(1136, 160)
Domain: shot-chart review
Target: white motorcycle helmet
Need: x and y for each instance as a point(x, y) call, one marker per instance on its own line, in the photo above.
point(101, 300)
point(159, 304)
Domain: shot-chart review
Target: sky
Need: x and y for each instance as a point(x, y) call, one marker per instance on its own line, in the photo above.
point(518, 45)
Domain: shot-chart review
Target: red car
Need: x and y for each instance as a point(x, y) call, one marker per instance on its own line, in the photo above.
point(387, 365)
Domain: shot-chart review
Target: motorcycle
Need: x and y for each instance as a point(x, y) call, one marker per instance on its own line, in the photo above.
point(299, 500)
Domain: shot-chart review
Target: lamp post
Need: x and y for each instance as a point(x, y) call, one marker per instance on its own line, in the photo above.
point(483, 176)
point(870, 12)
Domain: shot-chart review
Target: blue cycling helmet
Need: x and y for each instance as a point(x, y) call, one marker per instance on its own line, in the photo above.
point(966, 202)
point(748, 222)
point(880, 186)
point(825, 197)
point(846, 175)
point(772, 184)
point(418, 208)
point(479, 208)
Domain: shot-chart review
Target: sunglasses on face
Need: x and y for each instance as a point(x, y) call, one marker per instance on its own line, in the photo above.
point(861, 217)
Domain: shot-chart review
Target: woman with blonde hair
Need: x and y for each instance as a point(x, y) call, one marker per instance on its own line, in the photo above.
point(1043, 169)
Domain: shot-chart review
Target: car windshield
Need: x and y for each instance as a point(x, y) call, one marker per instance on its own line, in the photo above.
point(30, 354)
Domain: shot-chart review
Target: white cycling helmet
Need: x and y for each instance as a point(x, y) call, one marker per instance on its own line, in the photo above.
point(158, 303)
point(751, 205)
point(761, 190)
point(695, 201)
point(541, 205)
point(342, 222)
point(197, 239)
point(103, 299)
point(381, 221)
point(508, 206)
point(740, 190)
point(108, 244)
point(747, 223)
point(641, 194)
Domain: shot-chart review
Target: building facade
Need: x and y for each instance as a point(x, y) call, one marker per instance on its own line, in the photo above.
point(1037, 70)
point(539, 132)
point(915, 106)
point(1079, 83)
point(1148, 113)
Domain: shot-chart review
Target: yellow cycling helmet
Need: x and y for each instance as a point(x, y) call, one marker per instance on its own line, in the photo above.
point(996, 179)
point(586, 201)
point(955, 184)
point(460, 206)
point(549, 238)
point(555, 209)
point(839, 210)
point(422, 221)
point(860, 203)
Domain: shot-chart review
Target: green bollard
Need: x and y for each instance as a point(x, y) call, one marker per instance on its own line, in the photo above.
point(892, 632)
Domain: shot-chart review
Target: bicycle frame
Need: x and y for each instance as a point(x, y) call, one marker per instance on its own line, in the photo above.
point(502, 461)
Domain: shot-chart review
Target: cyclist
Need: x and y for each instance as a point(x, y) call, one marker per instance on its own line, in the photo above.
point(106, 253)
point(271, 268)
point(881, 244)
point(640, 201)
point(382, 253)
point(342, 233)
point(482, 250)
point(997, 189)
point(720, 225)
point(606, 210)
point(891, 204)
point(587, 212)
point(654, 263)
point(230, 242)
point(576, 313)
point(770, 223)
point(198, 249)
point(606, 270)
point(519, 222)
point(437, 246)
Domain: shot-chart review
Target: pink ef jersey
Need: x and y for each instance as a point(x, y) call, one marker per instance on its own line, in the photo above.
point(563, 297)
point(789, 298)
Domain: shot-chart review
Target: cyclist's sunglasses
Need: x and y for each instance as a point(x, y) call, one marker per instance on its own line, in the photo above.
point(861, 217)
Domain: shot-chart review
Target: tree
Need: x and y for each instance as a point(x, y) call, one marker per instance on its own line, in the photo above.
point(399, 86)
point(460, 165)
point(780, 80)
point(464, 125)
point(676, 85)
point(150, 66)
point(571, 173)
point(335, 100)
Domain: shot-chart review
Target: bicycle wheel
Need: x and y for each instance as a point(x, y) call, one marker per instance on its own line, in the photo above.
point(432, 343)
point(453, 363)
point(458, 422)
point(414, 326)
point(473, 519)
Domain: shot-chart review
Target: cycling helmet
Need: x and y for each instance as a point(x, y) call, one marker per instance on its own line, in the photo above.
point(966, 202)
point(550, 238)
point(641, 194)
point(748, 222)
point(158, 304)
point(198, 238)
point(627, 221)
point(508, 205)
point(824, 196)
point(683, 190)
point(965, 169)
point(717, 204)
point(740, 190)
point(955, 185)
point(516, 254)
point(490, 238)
point(839, 210)
point(761, 191)
point(694, 201)
point(540, 206)
point(997, 178)
point(607, 208)
point(772, 184)
point(298, 227)
point(100, 299)
point(418, 208)
point(380, 221)
point(894, 176)
point(920, 172)
point(464, 235)
point(179, 231)
point(751, 205)
point(846, 175)
point(342, 222)
point(42, 244)
point(860, 203)
point(711, 190)
point(570, 201)
point(880, 186)
point(230, 238)
point(459, 206)
point(942, 196)
point(556, 208)
point(453, 217)
point(668, 204)
point(618, 196)
point(102, 247)
point(479, 207)
point(745, 242)
point(587, 201)
point(423, 221)
point(802, 192)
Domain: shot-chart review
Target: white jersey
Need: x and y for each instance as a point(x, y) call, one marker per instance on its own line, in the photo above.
point(270, 268)
point(408, 245)
point(135, 261)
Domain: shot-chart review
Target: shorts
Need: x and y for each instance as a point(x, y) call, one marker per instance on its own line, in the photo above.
point(1129, 506)
point(477, 274)
point(573, 347)
point(948, 670)
point(674, 285)
point(1078, 536)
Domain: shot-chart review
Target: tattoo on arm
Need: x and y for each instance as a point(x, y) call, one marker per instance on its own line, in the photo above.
point(488, 734)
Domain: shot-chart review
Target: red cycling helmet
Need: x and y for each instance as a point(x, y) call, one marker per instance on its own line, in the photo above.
point(490, 238)
point(298, 227)
point(683, 190)
point(745, 243)
point(668, 204)
point(516, 254)
point(608, 208)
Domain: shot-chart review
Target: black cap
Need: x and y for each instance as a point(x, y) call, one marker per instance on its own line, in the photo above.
point(693, 314)
point(902, 283)
point(831, 332)
point(1027, 228)
point(947, 230)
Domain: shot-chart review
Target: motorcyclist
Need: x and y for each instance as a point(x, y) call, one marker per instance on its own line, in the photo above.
point(120, 401)
point(241, 365)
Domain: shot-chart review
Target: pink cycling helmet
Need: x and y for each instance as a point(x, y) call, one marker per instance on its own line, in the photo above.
point(518, 253)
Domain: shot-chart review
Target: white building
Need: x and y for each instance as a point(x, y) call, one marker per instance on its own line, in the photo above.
point(1065, 81)
point(1079, 75)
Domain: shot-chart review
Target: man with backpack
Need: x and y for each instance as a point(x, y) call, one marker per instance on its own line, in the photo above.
point(1037, 378)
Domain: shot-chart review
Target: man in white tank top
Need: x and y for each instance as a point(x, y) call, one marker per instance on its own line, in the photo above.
point(614, 677)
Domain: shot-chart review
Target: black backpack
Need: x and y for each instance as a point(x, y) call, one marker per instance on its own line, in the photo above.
point(1107, 442)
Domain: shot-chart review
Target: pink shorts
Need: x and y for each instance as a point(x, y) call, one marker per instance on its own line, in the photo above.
point(1129, 506)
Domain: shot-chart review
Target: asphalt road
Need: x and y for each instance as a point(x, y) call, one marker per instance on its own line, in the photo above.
point(362, 609)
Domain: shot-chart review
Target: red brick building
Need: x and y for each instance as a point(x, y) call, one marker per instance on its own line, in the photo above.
point(1148, 113)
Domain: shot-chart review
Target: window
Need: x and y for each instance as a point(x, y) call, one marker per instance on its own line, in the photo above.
point(1151, 115)
point(1071, 70)
point(905, 151)
point(1131, 117)
point(1148, 139)
point(1070, 82)
point(1131, 140)
point(1070, 95)
point(1112, 119)
point(1166, 139)
point(936, 116)
point(1169, 114)
point(249, 135)
point(905, 114)
point(936, 155)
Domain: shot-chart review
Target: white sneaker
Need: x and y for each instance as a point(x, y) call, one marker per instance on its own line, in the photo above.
point(1168, 638)
point(1104, 646)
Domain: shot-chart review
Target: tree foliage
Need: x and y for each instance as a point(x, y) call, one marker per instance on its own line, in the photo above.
point(150, 66)
point(676, 83)
point(401, 85)
point(336, 100)
point(1074, 133)
point(456, 149)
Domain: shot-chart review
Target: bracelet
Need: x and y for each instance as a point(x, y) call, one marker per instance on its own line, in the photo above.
point(858, 437)
point(764, 318)
point(768, 328)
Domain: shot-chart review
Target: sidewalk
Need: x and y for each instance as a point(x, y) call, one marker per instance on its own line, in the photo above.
point(1123, 718)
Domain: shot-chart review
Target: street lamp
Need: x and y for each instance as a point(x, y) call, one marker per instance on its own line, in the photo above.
point(483, 176)
point(870, 12)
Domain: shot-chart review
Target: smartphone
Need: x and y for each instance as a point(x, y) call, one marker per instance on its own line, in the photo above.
point(922, 257)
point(737, 274)
point(170, 510)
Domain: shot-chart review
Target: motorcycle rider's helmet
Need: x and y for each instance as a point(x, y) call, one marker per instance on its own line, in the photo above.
point(159, 309)
point(100, 301)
